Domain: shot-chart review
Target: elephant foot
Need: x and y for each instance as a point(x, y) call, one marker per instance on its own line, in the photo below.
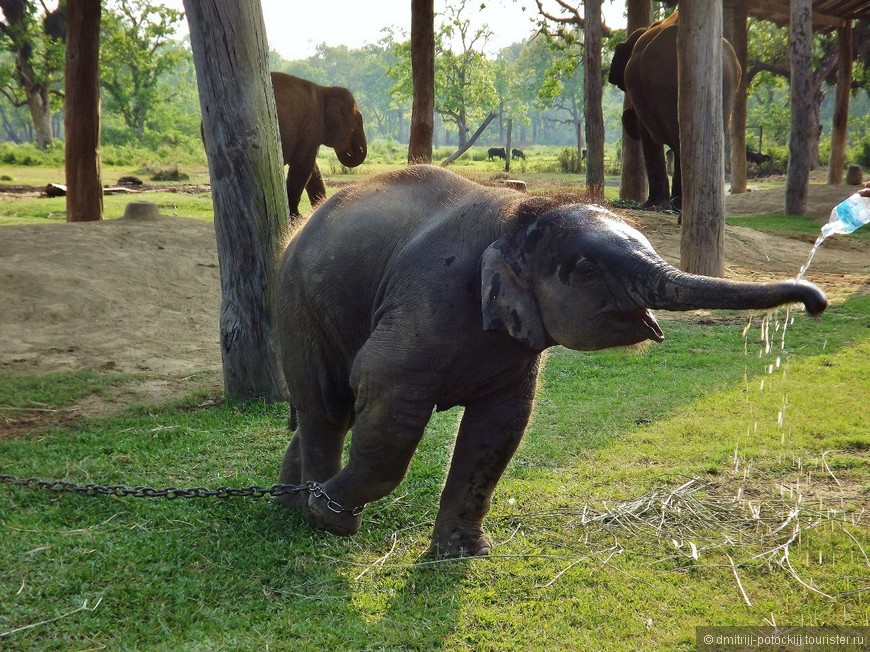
point(459, 543)
point(662, 203)
point(318, 515)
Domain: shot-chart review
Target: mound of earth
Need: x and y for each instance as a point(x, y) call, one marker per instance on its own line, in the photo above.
point(134, 295)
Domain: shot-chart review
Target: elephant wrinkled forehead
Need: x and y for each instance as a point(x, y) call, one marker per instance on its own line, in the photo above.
point(602, 228)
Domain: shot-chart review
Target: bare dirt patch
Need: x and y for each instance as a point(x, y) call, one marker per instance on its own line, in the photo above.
point(144, 296)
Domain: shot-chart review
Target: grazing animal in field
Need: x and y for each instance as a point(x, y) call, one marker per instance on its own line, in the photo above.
point(517, 154)
point(756, 157)
point(496, 152)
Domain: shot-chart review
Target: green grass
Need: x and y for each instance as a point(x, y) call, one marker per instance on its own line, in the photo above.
point(610, 427)
point(788, 225)
point(47, 210)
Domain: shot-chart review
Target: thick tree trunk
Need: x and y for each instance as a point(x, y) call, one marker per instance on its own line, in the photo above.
point(702, 241)
point(40, 113)
point(837, 160)
point(423, 72)
point(800, 44)
point(632, 182)
point(84, 189)
point(250, 205)
point(593, 81)
point(738, 39)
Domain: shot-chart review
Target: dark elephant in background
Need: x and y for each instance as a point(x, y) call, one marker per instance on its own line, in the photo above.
point(419, 290)
point(517, 154)
point(496, 152)
point(757, 157)
point(645, 67)
point(310, 116)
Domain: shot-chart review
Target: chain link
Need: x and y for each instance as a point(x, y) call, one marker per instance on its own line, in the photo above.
point(172, 493)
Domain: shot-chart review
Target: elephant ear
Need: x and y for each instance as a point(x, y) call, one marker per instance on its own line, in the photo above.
point(621, 55)
point(337, 116)
point(507, 301)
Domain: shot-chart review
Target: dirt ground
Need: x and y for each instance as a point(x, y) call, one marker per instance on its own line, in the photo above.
point(143, 295)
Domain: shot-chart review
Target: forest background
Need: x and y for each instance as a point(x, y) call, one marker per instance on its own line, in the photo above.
point(150, 106)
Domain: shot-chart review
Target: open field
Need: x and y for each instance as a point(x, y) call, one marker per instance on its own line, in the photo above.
point(701, 482)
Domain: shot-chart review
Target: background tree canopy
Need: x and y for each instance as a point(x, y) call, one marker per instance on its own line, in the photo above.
point(149, 91)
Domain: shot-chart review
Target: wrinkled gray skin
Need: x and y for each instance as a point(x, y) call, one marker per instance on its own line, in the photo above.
point(421, 290)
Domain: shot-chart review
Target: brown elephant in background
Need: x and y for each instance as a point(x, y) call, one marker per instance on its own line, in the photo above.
point(645, 67)
point(310, 116)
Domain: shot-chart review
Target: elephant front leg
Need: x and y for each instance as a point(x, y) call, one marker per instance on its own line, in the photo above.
point(315, 187)
point(386, 432)
point(656, 173)
point(488, 437)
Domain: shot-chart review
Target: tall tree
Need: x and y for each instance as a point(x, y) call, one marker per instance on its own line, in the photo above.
point(423, 73)
point(632, 183)
point(802, 101)
point(134, 56)
point(84, 199)
point(464, 79)
point(593, 82)
point(36, 42)
point(702, 146)
point(250, 204)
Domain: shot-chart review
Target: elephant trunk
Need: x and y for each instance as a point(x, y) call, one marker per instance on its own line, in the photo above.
point(355, 152)
point(672, 289)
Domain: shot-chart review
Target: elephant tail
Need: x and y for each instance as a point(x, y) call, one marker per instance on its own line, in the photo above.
point(293, 419)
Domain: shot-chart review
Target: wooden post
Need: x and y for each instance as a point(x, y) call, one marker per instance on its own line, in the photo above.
point(632, 180)
point(837, 160)
point(230, 51)
point(702, 241)
point(800, 46)
point(423, 73)
point(84, 196)
point(592, 102)
point(738, 114)
point(507, 147)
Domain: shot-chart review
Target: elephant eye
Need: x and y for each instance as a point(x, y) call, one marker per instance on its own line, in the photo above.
point(585, 270)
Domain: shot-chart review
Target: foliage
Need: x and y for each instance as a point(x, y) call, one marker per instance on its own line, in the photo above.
point(135, 52)
point(569, 161)
point(33, 38)
point(611, 429)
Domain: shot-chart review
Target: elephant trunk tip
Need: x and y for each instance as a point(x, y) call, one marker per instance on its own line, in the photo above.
point(812, 297)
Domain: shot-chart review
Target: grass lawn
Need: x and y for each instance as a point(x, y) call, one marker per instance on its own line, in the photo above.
point(698, 483)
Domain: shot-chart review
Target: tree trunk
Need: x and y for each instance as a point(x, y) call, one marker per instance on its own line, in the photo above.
point(40, 113)
point(800, 45)
point(230, 52)
point(593, 81)
point(464, 147)
point(423, 72)
point(738, 114)
point(837, 160)
point(507, 147)
point(702, 241)
point(84, 189)
point(632, 181)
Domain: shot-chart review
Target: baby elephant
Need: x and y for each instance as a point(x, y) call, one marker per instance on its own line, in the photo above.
point(421, 290)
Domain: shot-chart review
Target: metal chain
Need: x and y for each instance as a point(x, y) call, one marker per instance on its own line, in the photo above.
point(171, 493)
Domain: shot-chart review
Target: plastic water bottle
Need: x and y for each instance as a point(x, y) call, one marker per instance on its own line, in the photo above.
point(848, 216)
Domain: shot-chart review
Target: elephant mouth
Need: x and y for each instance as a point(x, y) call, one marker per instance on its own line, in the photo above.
point(646, 320)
